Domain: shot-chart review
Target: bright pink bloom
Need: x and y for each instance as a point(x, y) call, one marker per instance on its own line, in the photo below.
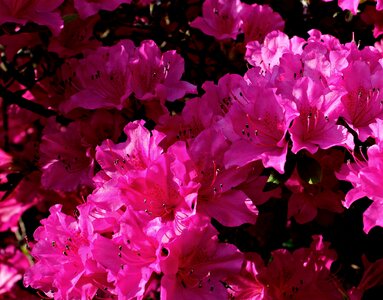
point(130, 257)
point(363, 102)
point(156, 75)
point(316, 126)
point(351, 5)
point(160, 185)
point(38, 11)
point(377, 131)
point(196, 116)
point(5, 159)
point(366, 179)
point(104, 78)
point(321, 59)
point(132, 157)
point(221, 96)
point(13, 264)
point(202, 113)
point(218, 196)
point(10, 212)
point(257, 128)
point(220, 18)
point(88, 8)
point(258, 21)
point(350, 173)
point(64, 266)
point(195, 264)
point(268, 54)
point(168, 190)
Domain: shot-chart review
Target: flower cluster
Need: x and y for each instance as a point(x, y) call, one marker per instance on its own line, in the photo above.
point(127, 175)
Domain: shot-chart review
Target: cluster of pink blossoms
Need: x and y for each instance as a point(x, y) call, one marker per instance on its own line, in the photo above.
point(132, 186)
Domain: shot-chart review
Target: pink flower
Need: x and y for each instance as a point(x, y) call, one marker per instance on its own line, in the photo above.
point(363, 102)
point(5, 159)
point(350, 173)
point(257, 128)
point(202, 113)
point(268, 54)
point(67, 153)
point(16, 201)
point(168, 190)
point(220, 18)
point(160, 185)
point(218, 196)
point(38, 11)
point(13, 264)
point(76, 37)
point(366, 180)
point(130, 257)
point(321, 60)
point(220, 97)
point(196, 116)
point(156, 76)
point(318, 113)
point(195, 264)
point(246, 285)
point(88, 8)
point(61, 86)
point(258, 21)
point(351, 5)
point(104, 78)
point(303, 274)
point(65, 162)
point(254, 185)
point(64, 266)
point(132, 157)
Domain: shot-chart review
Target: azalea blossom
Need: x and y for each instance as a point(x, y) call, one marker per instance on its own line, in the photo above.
point(39, 11)
point(220, 19)
point(195, 265)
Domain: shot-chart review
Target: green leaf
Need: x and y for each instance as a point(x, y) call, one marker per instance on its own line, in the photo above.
point(273, 179)
point(288, 244)
point(69, 18)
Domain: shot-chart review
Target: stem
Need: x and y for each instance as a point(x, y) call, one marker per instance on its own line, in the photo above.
point(13, 98)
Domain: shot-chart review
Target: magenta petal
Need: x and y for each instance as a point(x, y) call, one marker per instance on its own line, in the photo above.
point(373, 216)
point(231, 209)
